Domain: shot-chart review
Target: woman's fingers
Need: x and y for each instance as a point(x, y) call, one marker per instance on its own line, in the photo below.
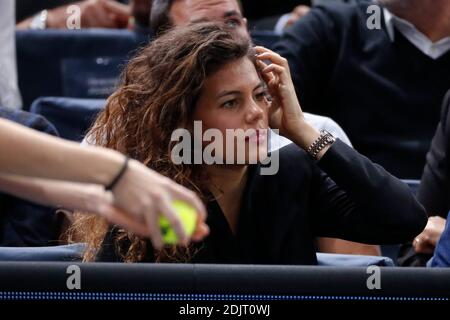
point(266, 54)
point(280, 71)
point(279, 66)
point(267, 76)
point(272, 81)
point(287, 114)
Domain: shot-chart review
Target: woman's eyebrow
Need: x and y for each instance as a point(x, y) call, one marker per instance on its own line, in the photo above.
point(261, 84)
point(226, 93)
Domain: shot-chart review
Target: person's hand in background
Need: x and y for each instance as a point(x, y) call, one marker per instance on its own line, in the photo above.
point(93, 14)
point(296, 14)
point(427, 240)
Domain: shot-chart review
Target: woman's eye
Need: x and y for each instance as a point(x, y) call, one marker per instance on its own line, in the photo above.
point(260, 96)
point(230, 104)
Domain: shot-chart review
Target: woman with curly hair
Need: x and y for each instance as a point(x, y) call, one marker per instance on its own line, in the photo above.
point(322, 187)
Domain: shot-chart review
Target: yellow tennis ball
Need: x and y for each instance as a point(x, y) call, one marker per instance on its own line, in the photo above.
point(188, 218)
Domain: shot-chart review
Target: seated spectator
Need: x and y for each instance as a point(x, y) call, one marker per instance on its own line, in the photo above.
point(322, 187)
point(383, 85)
point(169, 13)
point(434, 194)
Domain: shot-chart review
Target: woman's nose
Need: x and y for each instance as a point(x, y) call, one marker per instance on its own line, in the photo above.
point(254, 112)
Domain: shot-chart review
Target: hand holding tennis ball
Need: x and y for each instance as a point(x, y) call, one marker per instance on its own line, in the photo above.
point(189, 220)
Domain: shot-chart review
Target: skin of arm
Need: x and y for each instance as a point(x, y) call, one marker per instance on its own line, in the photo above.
point(72, 196)
point(143, 193)
point(64, 160)
point(86, 197)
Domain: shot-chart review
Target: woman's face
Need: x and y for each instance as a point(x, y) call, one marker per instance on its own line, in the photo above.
point(234, 97)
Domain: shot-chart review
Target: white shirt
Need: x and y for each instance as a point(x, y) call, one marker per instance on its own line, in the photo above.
point(9, 90)
point(319, 123)
point(433, 50)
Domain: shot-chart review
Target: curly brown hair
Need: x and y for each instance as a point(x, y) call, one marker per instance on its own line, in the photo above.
point(157, 94)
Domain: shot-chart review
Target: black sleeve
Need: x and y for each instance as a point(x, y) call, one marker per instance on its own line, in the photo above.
point(358, 200)
point(265, 8)
point(434, 191)
point(311, 48)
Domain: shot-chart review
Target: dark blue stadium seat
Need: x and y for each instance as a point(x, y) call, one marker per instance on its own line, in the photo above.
point(72, 117)
point(141, 281)
point(55, 253)
point(74, 252)
point(79, 63)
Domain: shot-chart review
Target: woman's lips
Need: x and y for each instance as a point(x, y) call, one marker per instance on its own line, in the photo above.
point(258, 136)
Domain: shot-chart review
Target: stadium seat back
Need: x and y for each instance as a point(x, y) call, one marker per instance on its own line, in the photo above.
point(72, 117)
point(72, 63)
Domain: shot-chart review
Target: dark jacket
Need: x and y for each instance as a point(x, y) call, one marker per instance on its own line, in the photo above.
point(385, 94)
point(434, 191)
point(344, 195)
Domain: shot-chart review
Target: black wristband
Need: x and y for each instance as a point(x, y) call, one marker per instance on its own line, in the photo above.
point(321, 142)
point(119, 175)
